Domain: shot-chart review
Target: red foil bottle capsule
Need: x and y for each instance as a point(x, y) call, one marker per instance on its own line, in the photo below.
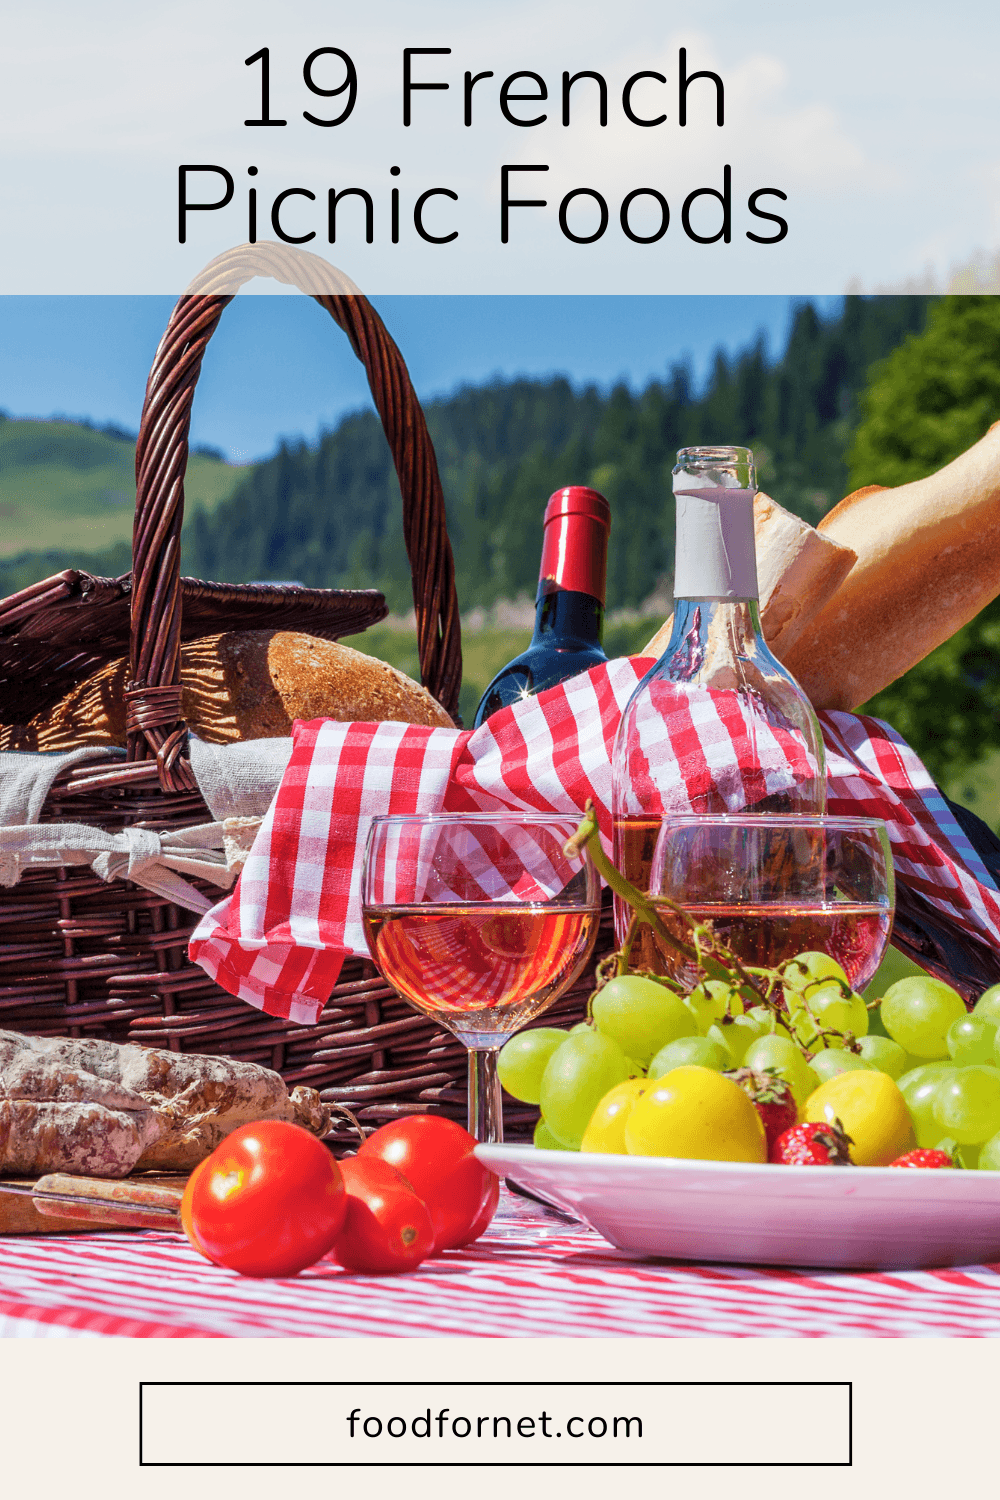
point(569, 604)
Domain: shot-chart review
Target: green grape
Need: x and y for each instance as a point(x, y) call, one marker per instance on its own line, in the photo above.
point(918, 1012)
point(876, 1026)
point(828, 1008)
point(641, 1015)
point(781, 1055)
point(914, 1075)
point(972, 1040)
point(808, 972)
point(769, 1020)
point(968, 1156)
point(987, 1007)
point(773, 1051)
point(882, 1053)
point(700, 1050)
point(833, 1060)
point(523, 1059)
point(576, 1078)
point(967, 1105)
point(709, 1001)
point(545, 1140)
point(989, 1154)
point(738, 1035)
point(920, 1093)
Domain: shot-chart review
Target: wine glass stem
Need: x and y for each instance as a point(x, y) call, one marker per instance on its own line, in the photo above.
point(485, 1108)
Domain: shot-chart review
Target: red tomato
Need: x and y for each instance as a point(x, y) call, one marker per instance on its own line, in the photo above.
point(435, 1156)
point(387, 1227)
point(186, 1219)
point(269, 1201)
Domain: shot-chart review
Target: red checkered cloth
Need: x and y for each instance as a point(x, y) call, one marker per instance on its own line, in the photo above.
point(279, 940)
point(535, 1277)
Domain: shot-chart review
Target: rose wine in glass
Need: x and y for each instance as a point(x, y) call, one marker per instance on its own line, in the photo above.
point(775, 886)
point(480, 921)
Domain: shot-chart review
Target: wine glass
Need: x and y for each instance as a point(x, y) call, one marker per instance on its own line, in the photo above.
point(775, 886)
point(479, 920)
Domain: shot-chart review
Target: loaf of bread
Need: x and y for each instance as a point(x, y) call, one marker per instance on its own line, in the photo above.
point(244, 685)
point(928, 561)
point(798, 570)
point(98, 1109)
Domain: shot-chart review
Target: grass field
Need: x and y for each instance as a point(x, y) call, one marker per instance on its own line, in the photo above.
point(978, 789)
point(484, 652)
point(67, 487)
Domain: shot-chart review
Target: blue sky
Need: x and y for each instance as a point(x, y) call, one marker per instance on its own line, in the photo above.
point(279, 367)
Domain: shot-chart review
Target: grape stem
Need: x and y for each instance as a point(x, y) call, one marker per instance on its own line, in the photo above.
point(712, 958)
point(588, 838)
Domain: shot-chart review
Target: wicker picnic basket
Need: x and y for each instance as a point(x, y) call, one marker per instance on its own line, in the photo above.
point(83, 957)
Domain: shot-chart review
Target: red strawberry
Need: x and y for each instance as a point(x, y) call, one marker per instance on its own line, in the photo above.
point(922, 1157)
point(772, 1099)
point(812, 1146)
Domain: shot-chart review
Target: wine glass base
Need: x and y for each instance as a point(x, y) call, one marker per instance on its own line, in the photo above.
point(518, 1209)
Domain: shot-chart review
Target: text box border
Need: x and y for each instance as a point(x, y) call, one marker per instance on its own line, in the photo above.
point(493, 1464)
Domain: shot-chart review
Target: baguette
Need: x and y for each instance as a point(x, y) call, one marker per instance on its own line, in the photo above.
point(798, 571)
point(928, 562)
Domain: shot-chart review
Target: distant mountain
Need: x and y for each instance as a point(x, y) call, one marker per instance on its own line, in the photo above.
point(70, 487)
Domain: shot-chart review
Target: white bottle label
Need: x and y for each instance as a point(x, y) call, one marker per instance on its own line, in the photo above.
point(716, 557)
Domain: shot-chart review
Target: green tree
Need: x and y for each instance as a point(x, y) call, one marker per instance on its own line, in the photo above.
point(933, 397)
point(929, 401)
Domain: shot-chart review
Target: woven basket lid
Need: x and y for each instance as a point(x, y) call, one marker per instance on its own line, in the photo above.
point(60, 631)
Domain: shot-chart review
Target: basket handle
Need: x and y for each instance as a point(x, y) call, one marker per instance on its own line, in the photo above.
point(155, 727)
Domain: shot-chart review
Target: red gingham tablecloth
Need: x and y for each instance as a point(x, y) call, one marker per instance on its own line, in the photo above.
point(530, 1276)
point(279, 940)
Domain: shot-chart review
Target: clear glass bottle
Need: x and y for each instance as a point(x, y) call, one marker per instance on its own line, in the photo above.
point(715, 683)
point(569, 604)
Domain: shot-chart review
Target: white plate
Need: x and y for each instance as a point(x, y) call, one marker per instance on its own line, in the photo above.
point(885, 1218)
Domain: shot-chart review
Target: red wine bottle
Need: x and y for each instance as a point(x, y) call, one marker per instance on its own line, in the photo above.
point(569, 605)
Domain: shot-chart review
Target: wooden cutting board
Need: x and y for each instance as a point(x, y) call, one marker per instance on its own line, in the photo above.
point(21, 1214)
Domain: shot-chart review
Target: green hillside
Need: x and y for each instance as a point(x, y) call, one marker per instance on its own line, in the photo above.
point(70, 487)
point(484, 652)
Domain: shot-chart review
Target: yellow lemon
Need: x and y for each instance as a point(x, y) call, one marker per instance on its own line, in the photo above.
point(872, 1111)
point(695, 1112)
point(606, 1130)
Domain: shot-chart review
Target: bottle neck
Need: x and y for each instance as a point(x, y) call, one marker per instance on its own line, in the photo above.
point(715, 554)
point(710, 635)
point(575, 544)
point(567, 615)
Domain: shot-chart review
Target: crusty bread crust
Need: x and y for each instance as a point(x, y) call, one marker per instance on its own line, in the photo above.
point(243, 685)
point(798, 570)
point(843, 506)
point(928, 562)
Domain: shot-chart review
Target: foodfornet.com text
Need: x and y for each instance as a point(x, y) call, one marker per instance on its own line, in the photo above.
point(445, 1423)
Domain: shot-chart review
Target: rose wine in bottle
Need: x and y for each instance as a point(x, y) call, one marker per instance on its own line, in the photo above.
point(569, 605)
point(716, 688)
